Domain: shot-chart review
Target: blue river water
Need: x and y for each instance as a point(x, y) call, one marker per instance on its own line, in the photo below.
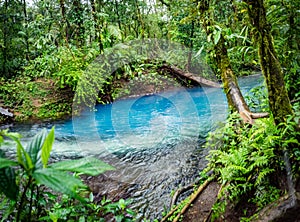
point(151, 140)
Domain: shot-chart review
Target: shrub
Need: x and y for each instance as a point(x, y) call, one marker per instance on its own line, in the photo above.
point(30, 187)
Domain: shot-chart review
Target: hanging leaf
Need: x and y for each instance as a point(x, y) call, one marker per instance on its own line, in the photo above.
point(199, 52)
point(90, 166)
point(47, 147)
point(7, 163)
point(22, 156)
point(8, 184)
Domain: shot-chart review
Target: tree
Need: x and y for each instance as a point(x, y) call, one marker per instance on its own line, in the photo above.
point(11, 46)
point(278, 96)
point(234, 96)
point(97, 27)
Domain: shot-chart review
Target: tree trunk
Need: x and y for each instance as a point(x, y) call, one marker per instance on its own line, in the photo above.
point(79, 29)
point(139, 18)
point(97, 27)
point(63, 14)
point(278, 97)
point(5, 42)
point(190, 76)
point(234, 96)
point(191, 45)
point(26, 32)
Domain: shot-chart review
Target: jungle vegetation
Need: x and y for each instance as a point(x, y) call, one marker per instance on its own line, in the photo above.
point(45, 47)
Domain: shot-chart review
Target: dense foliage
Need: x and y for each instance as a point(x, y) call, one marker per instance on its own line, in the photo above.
point(54, 41)
point(247, 161)
point(29, 186)
point(48, 47)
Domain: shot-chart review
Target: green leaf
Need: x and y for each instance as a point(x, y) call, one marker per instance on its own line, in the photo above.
point(22, 156)
point(89, 165)
point(8, 184)
point(34, 147)
point(27, 162)
point(13, 136)
point(47, 147)
point(59, 181)
point(217, 37)
point(7, 163)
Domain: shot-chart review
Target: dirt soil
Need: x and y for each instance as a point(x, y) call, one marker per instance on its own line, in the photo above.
point(201, 208)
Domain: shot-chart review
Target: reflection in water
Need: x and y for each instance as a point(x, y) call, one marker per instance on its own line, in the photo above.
point(153, 141)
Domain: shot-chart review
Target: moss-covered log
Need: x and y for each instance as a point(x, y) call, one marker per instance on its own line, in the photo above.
point(190, 76)
point(278, 97)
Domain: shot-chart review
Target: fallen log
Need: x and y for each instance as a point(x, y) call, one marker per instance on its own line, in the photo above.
point(233, 92)
point(191, 76)
point(5, 112)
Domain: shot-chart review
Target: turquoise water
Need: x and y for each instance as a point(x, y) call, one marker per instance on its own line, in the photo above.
point(153, 141)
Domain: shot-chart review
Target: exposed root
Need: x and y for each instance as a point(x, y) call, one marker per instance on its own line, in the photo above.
point(181, 190)
point(249, 117)
point(259, 115)
point(192, 198)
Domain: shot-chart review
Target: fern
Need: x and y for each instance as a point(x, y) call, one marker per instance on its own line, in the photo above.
point(243, 158)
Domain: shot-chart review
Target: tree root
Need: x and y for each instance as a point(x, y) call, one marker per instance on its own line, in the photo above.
point(210, 212)
point(192, 198)
point(181, 190)
point(249, 117)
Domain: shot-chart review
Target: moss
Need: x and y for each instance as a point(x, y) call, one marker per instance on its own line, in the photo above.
point(278, 97)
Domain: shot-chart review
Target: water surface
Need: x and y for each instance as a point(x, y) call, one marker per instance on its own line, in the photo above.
point(153, 141)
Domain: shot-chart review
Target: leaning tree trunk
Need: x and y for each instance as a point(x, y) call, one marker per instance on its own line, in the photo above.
point(278, 97)
point(234, 96)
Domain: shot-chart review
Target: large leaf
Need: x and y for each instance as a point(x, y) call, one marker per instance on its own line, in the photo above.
point(34, 147)
point(7, 163)
point(22, 156)
point(89, 165)
point(47, 147)
point(1, 139)
point(59, 181)
point(8, 184)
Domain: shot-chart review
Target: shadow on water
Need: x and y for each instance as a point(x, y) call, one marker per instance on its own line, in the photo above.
point(154, 142)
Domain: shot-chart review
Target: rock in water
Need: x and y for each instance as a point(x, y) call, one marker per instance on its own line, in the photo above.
point(6, 112)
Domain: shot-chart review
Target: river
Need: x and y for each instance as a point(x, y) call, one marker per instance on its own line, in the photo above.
point(153, 141)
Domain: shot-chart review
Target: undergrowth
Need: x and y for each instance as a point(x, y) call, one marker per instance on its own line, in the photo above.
point(31, 189)
point(246, 159)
